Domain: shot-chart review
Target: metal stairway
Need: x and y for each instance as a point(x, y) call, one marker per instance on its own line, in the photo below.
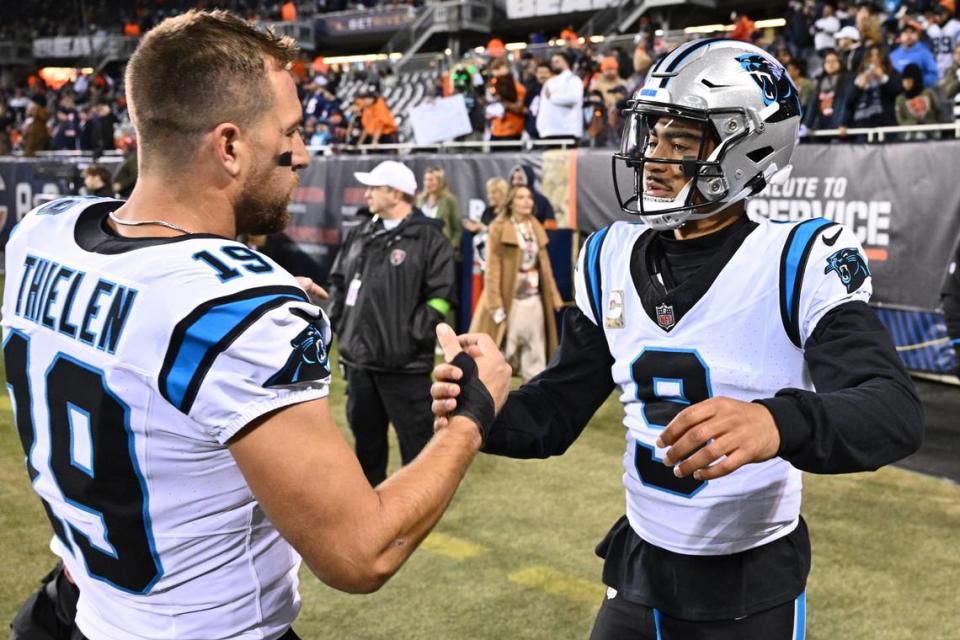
point(448, 16)
point(620, 17)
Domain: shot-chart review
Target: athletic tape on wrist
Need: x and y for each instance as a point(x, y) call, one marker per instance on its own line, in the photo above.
point(474, 401)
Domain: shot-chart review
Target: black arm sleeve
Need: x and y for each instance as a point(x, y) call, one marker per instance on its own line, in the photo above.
point(544, 416)
point(865, 412)
point(951, 314)
point(950, 297)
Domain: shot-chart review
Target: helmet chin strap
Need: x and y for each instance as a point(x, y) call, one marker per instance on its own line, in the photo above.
point(674, 219)
point(653, 203)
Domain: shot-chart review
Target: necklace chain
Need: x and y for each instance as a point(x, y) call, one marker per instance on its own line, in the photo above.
point(523, 228)
point(138, 223)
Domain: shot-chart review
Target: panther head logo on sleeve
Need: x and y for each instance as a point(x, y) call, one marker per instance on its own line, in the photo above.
point(308, 360)
point(850, 266)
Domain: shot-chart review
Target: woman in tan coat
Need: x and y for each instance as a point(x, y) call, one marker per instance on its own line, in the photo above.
point(519, 295)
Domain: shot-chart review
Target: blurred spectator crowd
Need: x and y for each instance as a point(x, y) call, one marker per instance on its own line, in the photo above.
point(48, 18)
point(856, 64)
point(872, 64)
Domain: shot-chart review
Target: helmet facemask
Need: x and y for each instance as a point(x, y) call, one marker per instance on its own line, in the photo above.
point(748, 110)
point(688, 142)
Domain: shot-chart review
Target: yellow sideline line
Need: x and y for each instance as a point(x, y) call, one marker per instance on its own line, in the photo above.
point(452, 547)
point(5, 402)
point(922, 345)
point(558, 583)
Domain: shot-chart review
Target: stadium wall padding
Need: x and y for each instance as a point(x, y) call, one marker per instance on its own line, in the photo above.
point(901, 199)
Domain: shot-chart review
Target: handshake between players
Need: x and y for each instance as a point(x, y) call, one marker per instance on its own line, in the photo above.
point(706, 440)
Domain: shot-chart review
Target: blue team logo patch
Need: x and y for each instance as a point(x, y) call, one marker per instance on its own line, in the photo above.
point(308, 361)
point(850, 266)
point(774, 84)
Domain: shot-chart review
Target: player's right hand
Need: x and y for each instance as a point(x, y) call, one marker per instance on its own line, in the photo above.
point(494, 371)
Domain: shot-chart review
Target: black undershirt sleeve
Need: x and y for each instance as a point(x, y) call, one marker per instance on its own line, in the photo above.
point(547, 414)
point(865, 412)
point(951, 314)
point(950, 297)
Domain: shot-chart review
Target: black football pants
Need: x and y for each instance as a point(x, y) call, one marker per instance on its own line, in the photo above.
point(375, 399)
point(50, 612)
point(620, 619)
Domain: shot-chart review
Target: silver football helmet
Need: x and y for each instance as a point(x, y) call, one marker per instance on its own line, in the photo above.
point(748, 110)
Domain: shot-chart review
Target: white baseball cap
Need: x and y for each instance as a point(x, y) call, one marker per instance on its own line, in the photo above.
point(390, 173)
point(849, 32)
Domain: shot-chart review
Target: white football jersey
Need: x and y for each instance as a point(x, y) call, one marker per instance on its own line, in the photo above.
point(130, 364)
point(942, 42)
point(742, 339)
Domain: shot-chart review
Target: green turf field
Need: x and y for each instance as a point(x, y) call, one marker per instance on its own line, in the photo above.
point(513, 557)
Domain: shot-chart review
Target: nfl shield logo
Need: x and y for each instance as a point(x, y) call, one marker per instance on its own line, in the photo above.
point(665, 316)
point(397, 256)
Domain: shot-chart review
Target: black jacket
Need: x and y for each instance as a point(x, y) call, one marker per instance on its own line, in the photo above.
point(950, 297)
point(391, 327)
point(874, 106)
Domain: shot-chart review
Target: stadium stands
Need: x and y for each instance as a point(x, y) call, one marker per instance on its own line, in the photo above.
point(70, 99)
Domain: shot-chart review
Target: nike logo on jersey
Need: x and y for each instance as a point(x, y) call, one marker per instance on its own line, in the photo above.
point(832, 241)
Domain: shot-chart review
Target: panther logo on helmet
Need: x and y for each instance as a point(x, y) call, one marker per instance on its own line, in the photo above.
point(742, 138)
point(774, 83)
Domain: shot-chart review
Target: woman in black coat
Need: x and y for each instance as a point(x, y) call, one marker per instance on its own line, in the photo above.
point(873, 94)
point(825, 109)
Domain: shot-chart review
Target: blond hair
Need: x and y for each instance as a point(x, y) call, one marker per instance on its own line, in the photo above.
point(870, 30)
point(195, 71)
point(443, 188)
point(500, 186)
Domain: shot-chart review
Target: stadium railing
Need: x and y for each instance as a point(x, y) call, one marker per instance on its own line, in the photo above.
point(452, 146)
point(876, 134)
point(113, 153)
point(879, 134)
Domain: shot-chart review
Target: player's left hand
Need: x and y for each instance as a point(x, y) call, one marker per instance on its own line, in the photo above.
point(704, 433)
point(313, 290)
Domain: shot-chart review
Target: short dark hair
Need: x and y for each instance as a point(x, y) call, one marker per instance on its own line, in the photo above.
point(568, 56)
point(194, 71)
point(98, 170)
point(800, 64)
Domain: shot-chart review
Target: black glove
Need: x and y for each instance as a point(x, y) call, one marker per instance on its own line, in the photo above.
point(474, 401)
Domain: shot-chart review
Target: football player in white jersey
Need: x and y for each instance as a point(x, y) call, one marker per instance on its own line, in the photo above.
point(743, 352)
point(170, 385)
point(944, 33)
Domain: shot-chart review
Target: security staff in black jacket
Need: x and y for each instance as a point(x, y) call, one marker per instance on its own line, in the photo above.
point(950, 296)
point(391, 283)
